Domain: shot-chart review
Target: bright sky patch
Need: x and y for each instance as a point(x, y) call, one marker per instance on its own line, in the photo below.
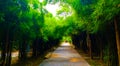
point(52, 8)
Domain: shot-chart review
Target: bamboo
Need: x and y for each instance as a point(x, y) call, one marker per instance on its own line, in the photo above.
point(89, 45)
point(117, 39)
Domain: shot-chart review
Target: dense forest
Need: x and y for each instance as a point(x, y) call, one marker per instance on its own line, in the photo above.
point(91, 25)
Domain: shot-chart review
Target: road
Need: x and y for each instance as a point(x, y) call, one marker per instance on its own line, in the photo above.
point(65, 55)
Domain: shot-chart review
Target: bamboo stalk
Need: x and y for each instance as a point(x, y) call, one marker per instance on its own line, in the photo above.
point(117, 40)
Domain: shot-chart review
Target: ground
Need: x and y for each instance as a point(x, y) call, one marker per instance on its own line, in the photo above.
point(65, 55)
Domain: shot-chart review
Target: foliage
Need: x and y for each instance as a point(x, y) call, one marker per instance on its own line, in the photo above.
point(27, 19)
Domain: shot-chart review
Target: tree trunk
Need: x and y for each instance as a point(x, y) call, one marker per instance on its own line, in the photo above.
point(34, 45)
point(3, 55)
point(101, 47)
point(117, 39)
point(89, 45)
point(22, 50)
point(101, 51)
point(8, 49)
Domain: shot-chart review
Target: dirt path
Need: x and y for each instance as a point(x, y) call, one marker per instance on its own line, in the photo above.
point(65, 55)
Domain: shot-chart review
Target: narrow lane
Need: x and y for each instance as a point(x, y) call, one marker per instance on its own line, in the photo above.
point(65, 55)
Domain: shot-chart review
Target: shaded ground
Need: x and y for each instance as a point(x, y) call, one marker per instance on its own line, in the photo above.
point(64, 55)
point(14, 56)
point(30, 61)
point(93, 62)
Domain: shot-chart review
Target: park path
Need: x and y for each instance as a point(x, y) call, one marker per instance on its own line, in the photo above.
point(65, 55)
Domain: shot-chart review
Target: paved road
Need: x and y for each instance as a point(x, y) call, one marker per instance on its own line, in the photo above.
point(64, 55)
